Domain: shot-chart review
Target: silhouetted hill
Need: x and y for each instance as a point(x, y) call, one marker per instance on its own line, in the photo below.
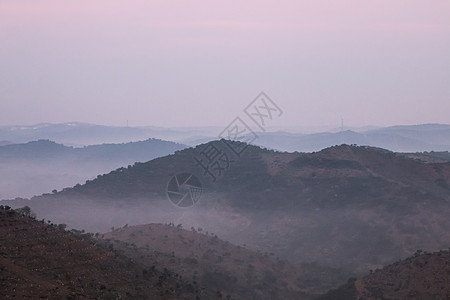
point(423, 276)
point(41, 166)
point(410, 138)
point(117, 153)
point(35, 150)
point(431, 134)
point(72, 133)
point(79, 134)
point(350, 207)
point(39, 260)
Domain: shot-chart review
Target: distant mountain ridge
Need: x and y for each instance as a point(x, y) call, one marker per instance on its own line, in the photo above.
point(411, 138)
point(117, 153)
point(402, 138)
point(81, 134)
point(414, 138)
point(42, 166)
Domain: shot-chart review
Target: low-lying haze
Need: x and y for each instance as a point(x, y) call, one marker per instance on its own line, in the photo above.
point(199, 63)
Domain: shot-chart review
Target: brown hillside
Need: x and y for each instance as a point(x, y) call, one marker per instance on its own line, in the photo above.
point(38, 260)
point(424, 276)
point(345, 207)
point(218, 265)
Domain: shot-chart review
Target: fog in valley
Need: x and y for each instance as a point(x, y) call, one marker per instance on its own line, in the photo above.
point(239, 150)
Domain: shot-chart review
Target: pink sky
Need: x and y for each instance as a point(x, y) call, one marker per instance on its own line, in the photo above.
point(182, 63)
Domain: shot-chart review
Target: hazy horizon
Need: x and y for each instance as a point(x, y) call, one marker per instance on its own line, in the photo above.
point(198, 149)
point(214, 129)
point(201, 63)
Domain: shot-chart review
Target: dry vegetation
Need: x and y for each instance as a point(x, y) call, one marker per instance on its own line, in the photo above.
point(234, 271)
point(41, 260)
point(423, 276)
point(347, 207)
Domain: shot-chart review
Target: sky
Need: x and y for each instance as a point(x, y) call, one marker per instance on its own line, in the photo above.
point(200, 63)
